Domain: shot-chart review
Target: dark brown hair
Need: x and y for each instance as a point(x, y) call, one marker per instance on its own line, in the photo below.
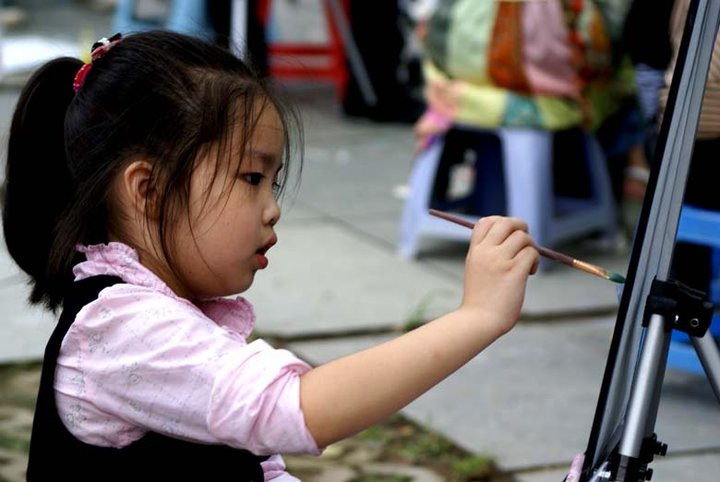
point(155, 95)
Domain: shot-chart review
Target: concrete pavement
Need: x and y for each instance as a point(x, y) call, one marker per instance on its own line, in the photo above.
point(336, 284)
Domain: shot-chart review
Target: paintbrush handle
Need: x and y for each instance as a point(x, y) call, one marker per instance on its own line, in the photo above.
point(573, 262)
point(549, 253)
point(451, 218)
point(546, 252)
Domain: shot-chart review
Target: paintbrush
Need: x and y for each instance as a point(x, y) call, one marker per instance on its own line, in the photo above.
point(547, 252)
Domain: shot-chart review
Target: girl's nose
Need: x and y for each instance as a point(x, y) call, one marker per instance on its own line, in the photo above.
point(272, 214)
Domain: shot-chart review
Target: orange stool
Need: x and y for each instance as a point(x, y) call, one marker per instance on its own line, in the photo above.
point(286, 60)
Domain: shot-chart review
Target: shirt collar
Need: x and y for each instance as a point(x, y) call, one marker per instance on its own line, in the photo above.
point(119, 259)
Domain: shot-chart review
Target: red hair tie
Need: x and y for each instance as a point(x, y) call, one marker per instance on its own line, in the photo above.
point(80, 76)
point(99, 49)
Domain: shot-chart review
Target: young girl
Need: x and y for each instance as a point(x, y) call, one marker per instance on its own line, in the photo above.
point(141, 191)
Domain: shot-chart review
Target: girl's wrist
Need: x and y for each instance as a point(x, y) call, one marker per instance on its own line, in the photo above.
point(482, 324)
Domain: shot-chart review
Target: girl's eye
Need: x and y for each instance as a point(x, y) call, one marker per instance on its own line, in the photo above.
point(254, 178)
point(276, 187)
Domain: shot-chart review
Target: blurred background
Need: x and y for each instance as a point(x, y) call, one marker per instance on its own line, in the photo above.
point(547, 110)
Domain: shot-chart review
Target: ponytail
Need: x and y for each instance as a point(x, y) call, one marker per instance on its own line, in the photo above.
point(37, 186)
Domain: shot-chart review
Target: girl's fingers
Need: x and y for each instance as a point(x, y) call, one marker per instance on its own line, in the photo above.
point(482, 226)
point(515, 243)
point(529, 259)
point(510, 236)
point(520, 248)
point(501, 228)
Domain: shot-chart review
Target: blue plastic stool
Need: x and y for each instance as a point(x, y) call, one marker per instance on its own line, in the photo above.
point(697, 226)
point(184, 16)
point(524, 175)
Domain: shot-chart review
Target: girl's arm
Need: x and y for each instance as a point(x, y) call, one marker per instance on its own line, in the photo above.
point(347, 395)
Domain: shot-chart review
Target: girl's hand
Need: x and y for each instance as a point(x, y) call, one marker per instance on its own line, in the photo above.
point(500, 258)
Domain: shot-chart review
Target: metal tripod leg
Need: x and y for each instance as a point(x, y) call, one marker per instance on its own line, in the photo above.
point(644, 402)
point(709, 355)
point(645, 397)
point(670, 306)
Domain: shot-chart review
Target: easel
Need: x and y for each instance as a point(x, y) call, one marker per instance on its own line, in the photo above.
point(622, 441)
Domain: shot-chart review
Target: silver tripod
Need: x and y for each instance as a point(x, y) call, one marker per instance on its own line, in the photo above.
point(623, 442)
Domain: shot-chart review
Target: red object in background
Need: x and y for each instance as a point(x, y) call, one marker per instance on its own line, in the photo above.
point(309, 61)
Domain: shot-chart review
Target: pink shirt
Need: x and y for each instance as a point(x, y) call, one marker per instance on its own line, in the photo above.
point(139, 359)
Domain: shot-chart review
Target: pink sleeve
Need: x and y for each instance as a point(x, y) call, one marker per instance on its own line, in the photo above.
point(257, 400)
point(274, 469)
point(137, 361)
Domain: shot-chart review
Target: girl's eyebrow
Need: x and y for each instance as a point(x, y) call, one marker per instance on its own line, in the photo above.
point(267, 158)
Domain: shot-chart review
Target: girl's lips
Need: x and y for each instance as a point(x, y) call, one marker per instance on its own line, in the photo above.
point(266, 247)
point(262, 260)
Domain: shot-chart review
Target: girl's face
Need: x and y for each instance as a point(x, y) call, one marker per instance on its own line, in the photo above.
point(225, 239)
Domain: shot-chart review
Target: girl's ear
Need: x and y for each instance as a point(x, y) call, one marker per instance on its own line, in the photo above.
point(137, 189)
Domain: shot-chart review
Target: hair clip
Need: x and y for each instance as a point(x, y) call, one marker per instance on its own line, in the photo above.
point(102, 46)
point(99, 49)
